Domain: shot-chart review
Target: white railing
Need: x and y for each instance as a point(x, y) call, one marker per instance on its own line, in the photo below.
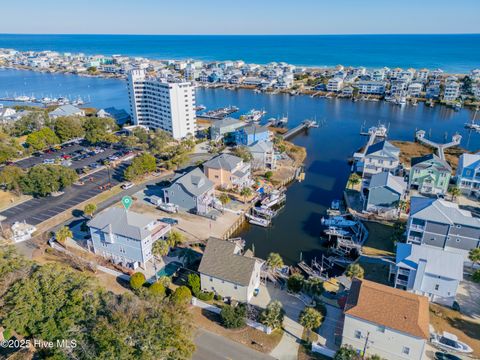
point(401, 282)
point(417, 227)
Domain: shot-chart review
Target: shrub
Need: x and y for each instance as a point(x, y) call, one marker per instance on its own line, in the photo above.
point(295, 283)
point(194, 284)
point(157, 289)
point(181, 295)
point(268, 175)
point(273, 315)
point(476, 276)
point(137, 280)
point(233, 317)
point(205, 296)
point(218, 297)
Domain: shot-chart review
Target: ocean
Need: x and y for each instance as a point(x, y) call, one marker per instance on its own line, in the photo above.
point(452, 53)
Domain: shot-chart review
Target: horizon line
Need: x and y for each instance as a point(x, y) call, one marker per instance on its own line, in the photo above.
point(206, 34)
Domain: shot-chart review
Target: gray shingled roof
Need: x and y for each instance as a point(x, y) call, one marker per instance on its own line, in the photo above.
point(383, 149)
point(223, 161)
point(261, 146)
point(122, 222)
point(425, 162)
point(65, 110)
point(227, 122)
point(195, 182)
point(441, 211)
point(396, 183)
point(219, 261)
point(255, 129)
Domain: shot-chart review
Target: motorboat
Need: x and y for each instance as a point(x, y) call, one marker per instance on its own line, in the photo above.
point(255, 220)
point(264, 211)
point(332, 230)
point(254, 115)
point(335, 205)
point(274, 198)
point(449, 341)
point(338, 221)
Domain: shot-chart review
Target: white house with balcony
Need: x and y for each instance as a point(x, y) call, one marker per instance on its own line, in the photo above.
point(335, 84)
point(452, 89)
point(429, 271)
point(381, 157)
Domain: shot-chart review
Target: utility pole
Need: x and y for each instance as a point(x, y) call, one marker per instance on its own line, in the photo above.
point(366, 345)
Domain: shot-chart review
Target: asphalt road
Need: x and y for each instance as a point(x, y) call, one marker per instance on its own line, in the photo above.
point(211, 346)
point(38, 210)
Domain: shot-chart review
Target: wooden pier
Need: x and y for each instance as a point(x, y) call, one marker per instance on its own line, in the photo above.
point(307, 124)
point(456, 139)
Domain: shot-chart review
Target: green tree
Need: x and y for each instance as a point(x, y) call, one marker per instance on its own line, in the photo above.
point(233, 317)
point(194, 283)
point(310, 319)
point(43, 179)
point(141, 165)
point(160, 248)
point(68, 128)
point(476, 276)
point(273, 315)
point(159, 142)
point(11, 177)
point(347, 353)
point(246, 192)
point(42, 139)
point(295, 282)
point(157, 289)
point(454, 191)
point(181, 295)
point(89, 209)
point(63, 234)
point(28, 123)
point(355, 270)
point(98, 129)
point(224, 199)
point(354, 180)
point(137, 280)
point(474, 256)
point(242, 152)
point(268, 175)
point(175, 238)
point(274, 261)
point(314, 287)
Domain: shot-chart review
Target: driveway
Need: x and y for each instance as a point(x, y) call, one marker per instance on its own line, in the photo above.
point(467, 296)
point(327, 330)
point(287, 348)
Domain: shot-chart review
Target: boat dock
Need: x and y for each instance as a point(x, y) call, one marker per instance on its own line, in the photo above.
point(456, 139)
point(374, 132)
point(307, 124)
point(219, 114)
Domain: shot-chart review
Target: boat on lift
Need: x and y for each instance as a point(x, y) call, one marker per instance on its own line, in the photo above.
point(338, 221)
point(256, 220)
point(254, 115)
point(332, 230)
point(274, 198)
point(264, 211)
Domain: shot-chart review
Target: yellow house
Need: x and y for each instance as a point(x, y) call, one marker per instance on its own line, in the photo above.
point(228, 171)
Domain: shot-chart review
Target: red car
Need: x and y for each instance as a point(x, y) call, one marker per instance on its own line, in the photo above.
point(66, 157)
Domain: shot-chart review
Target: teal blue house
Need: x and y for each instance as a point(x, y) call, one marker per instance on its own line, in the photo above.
point(429, 175)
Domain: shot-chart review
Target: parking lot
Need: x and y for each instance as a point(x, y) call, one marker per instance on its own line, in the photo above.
point(38, 210)
point(75, 155)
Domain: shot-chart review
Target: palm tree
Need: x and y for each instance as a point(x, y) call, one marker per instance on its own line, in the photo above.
point(174, 238)
point(454, 191)
point(474, 256)
point(224, 199)
point(63, 234)
point(353, 180)
point(89, 209)
point(273, 315)
point(310, 319)
point(403, 206)
point(355, 270)
point(274, 261)
point(246, 192)
point(160, 248)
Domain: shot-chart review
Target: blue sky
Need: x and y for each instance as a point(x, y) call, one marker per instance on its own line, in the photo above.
point(240, 16)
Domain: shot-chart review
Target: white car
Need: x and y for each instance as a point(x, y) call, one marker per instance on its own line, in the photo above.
point(49, 161)
point(127, 186)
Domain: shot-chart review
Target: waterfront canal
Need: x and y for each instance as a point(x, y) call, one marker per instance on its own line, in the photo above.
point(297, 229)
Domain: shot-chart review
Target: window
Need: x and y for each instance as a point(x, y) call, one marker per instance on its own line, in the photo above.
point(437, 286)
point(211, 279)
point(235, 287)
point(358, 334)
point(406, 350)
point(381, 329)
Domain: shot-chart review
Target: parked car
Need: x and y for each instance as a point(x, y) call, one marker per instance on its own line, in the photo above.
point(49, 161)
point(445, 356)
point(170, 221)
point(94, 165)
point(127, 186)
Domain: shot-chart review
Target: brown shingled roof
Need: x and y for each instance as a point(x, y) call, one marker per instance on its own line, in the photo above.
point(390, 307)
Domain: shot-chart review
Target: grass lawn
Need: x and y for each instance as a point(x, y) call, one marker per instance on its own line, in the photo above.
point(380, 240)
point(446, 319)
point(247, 336)
point(377, 272)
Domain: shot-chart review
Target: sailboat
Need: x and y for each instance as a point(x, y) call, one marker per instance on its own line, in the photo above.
point(472, 124)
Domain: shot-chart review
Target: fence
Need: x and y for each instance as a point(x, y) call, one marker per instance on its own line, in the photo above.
point(253, 324)
point(317, 348)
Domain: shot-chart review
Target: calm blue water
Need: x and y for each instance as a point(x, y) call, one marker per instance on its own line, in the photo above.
point(453, 53)
point(296, 229)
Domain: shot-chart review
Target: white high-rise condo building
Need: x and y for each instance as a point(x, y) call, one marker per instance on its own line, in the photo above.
point(158, 104)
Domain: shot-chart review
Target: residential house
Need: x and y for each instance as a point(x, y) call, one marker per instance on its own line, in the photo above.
point(428, 271)
point(251, 133)
point(228, 171)
point(452, 89)
point(335, 84)
point(125, 237)
point(119, 115)
point(263, 155)
point(468, 173)
point(220, 128)
point(227, 272)
point(385, 191)
point(192, 192)
point(379, 157)
point(429, 175)
point(66, 110)
point(415, 89)
point(442, 224)
point(371, 87)
point(385, 321)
